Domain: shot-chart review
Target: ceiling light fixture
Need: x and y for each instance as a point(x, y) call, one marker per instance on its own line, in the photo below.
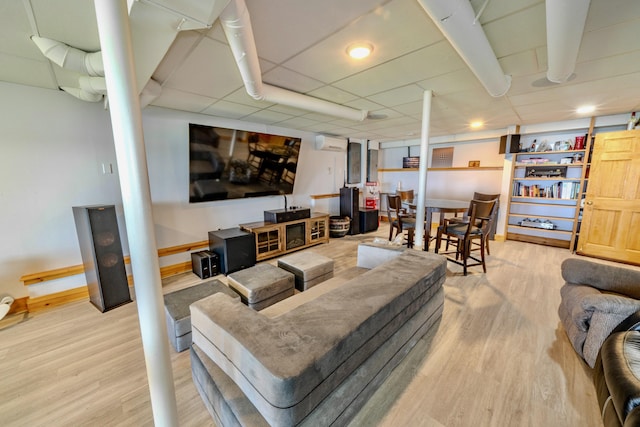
point(585, 109)
point(359, 50)
point(476, 124)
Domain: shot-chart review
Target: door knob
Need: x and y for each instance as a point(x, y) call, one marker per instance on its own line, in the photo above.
point(589, 202)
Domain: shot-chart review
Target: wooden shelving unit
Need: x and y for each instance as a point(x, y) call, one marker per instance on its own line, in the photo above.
point(546, 209)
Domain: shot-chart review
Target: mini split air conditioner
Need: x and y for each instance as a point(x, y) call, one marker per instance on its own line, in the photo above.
point(330, 143)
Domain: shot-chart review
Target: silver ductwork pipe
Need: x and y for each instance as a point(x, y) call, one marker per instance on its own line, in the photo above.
point(236, 23)
point(565, 27)
point(89, 63)
point(456, 19)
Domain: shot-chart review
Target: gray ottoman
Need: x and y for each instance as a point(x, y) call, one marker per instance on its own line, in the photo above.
point(176, 309)
point(309, 268)
point(262, 285)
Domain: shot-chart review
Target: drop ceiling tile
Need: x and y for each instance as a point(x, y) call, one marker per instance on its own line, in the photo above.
point(291, 80)
point(527, 30)
point(431, 61)
point(205, 71)
point(498, 9)
point(609, 41)
point(461, 80)
point(229, 109)
point(605, 13)
point(27, 71)
point(15, 32)
point(333, 94)
point(71, 22)
point(297, 122)
point(283, 28)
point(397, 96)
point(363, 104)
point(184, 43)
point(267, 117)
point(521, 64)
point(184, 101)
point(385, 29)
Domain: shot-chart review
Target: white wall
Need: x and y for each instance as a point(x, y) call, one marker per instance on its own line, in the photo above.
point(53, 149)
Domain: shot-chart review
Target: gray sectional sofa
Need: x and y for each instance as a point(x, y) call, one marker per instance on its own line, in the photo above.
point(315, 358)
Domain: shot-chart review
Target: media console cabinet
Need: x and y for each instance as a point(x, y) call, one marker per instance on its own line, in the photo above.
point(275, 239)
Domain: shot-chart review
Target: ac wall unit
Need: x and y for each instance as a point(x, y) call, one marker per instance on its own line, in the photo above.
point(330, 143)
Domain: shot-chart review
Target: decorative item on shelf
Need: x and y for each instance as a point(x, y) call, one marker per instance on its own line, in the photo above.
point(566, 160)
point(579, 145)
point(633, 122)
point(538, 223)
point(546, 172)
point(474, 163)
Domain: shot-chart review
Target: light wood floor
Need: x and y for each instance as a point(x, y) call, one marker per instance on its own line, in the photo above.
point(499, 358)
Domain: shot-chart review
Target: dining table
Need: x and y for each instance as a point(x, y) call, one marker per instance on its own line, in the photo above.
point(441, 206)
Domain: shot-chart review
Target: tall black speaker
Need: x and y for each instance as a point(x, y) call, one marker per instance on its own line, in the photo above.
point(350, 206)
point(236, 249)
point(102, 257)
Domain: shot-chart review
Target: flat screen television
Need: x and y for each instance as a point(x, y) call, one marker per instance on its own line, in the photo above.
point(233, 163)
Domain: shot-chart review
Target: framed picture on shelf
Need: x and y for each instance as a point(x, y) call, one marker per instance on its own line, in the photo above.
point(474, 163)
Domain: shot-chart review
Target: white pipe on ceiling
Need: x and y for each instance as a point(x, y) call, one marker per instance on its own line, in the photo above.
point(236, 23)
point(455, 18)
point(565, 26)
point(89, 63)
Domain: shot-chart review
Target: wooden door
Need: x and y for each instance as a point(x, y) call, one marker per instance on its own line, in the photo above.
point(611, 218)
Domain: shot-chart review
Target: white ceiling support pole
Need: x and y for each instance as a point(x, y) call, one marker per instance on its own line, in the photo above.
point(422, 171)
point(126, 121)
point(565, 27)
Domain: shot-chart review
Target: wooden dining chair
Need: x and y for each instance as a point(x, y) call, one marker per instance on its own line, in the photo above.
point(493, 216)
point(407, 195)
point(463, 233)
point(399, 219)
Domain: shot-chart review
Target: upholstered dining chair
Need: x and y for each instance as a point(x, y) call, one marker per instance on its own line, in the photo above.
point(399, 219)
point(463, 232)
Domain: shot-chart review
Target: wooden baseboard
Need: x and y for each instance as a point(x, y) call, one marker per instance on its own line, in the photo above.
point(57, 299)
point(31, 305)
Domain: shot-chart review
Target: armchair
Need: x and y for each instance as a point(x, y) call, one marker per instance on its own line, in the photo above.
point(594, 300)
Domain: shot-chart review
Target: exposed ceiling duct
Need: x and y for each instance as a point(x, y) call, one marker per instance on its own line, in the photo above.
point(92, 86)
point(565, 27)
point(456, 19)
point(236, 23)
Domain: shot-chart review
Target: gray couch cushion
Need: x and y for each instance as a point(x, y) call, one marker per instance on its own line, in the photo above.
point(300, 356)
point(225, 400)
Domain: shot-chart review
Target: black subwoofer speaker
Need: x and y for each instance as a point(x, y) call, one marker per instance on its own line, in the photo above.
point(102, 257)
point(350, 206)
point(368, 220)
point(236, 249)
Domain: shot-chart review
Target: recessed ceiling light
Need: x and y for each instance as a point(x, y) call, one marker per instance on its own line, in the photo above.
point(359, 50)
point(585, 109)
point(476, 124)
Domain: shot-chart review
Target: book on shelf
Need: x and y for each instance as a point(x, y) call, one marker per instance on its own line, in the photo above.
point(560, 190)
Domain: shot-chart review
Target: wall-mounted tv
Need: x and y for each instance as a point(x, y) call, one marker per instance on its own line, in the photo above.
point(232, 163)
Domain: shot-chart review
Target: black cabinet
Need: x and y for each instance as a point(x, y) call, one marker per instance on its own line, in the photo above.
point(236, 249)
point(102, 257)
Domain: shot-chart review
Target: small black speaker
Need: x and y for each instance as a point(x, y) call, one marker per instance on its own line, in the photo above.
point(368, 220)
point(510, 143)
point(236, 249)
point(204, 264)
